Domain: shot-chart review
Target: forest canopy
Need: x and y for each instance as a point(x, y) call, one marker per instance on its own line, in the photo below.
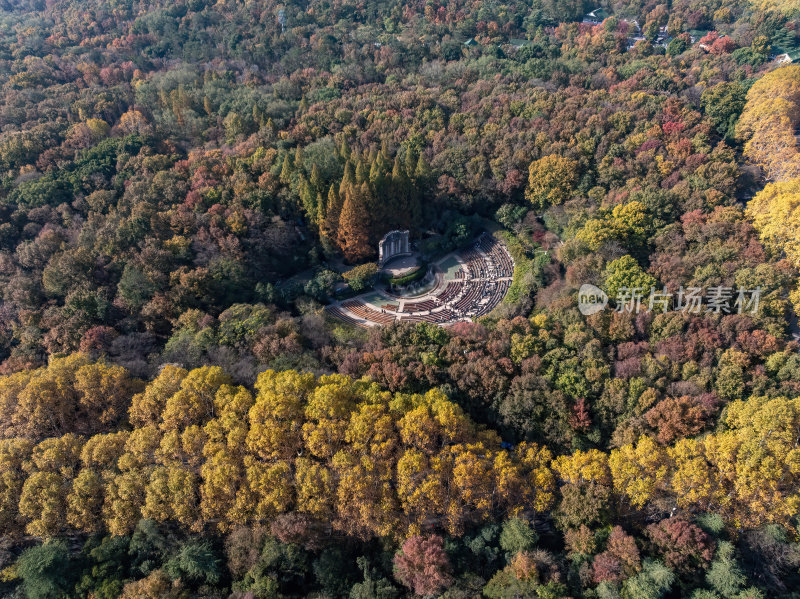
point(188, 189)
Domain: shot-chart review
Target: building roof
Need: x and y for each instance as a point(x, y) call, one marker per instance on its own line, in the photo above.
point(785, 54)
point(598, 14)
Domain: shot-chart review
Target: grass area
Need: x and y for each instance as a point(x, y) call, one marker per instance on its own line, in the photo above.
point(378, 301)
point(528, 267)
point(414, 275)
point(450, 267)
point(343, 332)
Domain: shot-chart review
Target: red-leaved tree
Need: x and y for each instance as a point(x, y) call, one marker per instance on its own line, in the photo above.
point(422, 565)
point(683, 545)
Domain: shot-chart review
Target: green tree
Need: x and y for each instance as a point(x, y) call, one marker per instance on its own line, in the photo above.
point(723, 103)
point(678, 45)
point(725, 576)
point(134, 287)
point(47, 571)
point(517, 536)
point(362, 276)
point(652, 582)
point(196, 563)
point(625, 273)
point(321, 286)
point(108, 562)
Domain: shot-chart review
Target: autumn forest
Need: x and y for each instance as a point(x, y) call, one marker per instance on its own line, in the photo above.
point(188, 187)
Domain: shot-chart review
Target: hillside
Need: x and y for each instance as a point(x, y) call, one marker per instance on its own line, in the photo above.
point(208, 388)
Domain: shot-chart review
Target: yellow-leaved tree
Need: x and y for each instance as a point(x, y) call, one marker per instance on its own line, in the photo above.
point(768, 121)
point(639, 470)
point(206, 454)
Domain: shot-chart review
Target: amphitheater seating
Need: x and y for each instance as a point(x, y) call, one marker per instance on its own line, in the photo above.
point(441, 317)
point(423, 306)
point(343, 315)
point(476, 289)
point(497, 254)
point(469, 302)
point(362, 310)
point(449, 293)
point(476, 265)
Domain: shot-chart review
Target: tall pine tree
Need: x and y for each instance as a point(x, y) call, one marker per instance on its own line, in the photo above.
point(354, 226)
point(329, 228)
point(348, 179)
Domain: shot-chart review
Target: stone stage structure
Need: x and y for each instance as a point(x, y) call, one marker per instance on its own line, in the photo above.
point(393, 244)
